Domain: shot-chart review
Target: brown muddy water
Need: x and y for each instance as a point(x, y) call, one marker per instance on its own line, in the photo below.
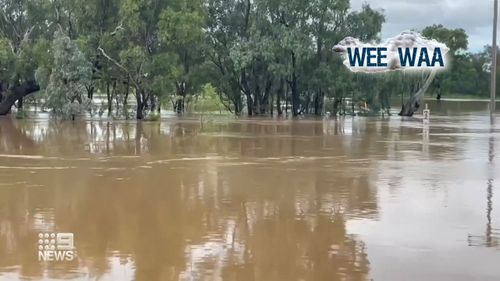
point(255, 199)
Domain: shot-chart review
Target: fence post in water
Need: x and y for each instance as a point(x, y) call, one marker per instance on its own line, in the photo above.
point(427, 114)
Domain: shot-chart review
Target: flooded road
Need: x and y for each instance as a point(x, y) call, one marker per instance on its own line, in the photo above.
point(346, 199)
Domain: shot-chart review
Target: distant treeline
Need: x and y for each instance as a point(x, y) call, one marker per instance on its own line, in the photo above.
point(255, 57)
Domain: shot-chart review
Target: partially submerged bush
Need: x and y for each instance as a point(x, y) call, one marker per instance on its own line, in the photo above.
point(153, 117)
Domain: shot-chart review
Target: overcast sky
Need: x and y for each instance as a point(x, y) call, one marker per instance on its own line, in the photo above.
point(475, 16)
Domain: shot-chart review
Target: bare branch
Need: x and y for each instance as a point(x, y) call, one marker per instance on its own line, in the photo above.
point(119, 66)
point(27, 34)
point(426, 85)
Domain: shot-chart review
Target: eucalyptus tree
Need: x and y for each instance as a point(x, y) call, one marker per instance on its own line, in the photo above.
point(291, 29)
point(227, 23)
point(70, 72)
point(20, 24)
point(282, 49)
point(181, 34)
point(258, 55)
point(141, 59)
point(95, 25)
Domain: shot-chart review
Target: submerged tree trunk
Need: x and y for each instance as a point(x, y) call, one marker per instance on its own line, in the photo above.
point(271, 106)
point(247, 91)
point(286, 102)
point(154, 102)
point(413, 104)
point(257, 100)
point(235, 99)
point(318, 102)
point(140, 104)
point(125, 100)
point(265, 100)
point(294, 89)
point(140, 110)
point(279, 94)
point(237, 108)
point(181, 96)
point(9, 97)
point(337, 103)
point(249, 104)
point(90, 92)
point(109, 98)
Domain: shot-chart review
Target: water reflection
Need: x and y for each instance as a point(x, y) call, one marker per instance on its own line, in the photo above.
point(492, 236)
point(175, 202)
point(256, 199)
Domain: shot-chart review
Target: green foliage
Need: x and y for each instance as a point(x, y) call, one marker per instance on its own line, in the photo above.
point(281, 50)
point(7, 60)
point(246, 56)
point(153, 117)
point(455, 39)
point(65, 92)
point(466, 74)
point(208, 100)
point(366, 24)
point(180, 28)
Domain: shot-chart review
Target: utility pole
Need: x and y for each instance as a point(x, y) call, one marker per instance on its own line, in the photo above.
point(494, 59)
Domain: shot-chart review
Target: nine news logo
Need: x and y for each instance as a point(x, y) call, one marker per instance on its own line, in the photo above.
point(56, 247)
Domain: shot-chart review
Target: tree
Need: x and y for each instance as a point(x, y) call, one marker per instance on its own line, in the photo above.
point(18, 69)
point(260, 56)
point(141, 51)
point(181, 33)
point(456, 40)
point(65, 93)
point(274, 50)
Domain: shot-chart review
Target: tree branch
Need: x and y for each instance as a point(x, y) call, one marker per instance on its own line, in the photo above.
point(119, 66)
point(17, 93)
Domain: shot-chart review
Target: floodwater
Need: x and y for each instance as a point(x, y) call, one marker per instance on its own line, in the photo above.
point(255, 199)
